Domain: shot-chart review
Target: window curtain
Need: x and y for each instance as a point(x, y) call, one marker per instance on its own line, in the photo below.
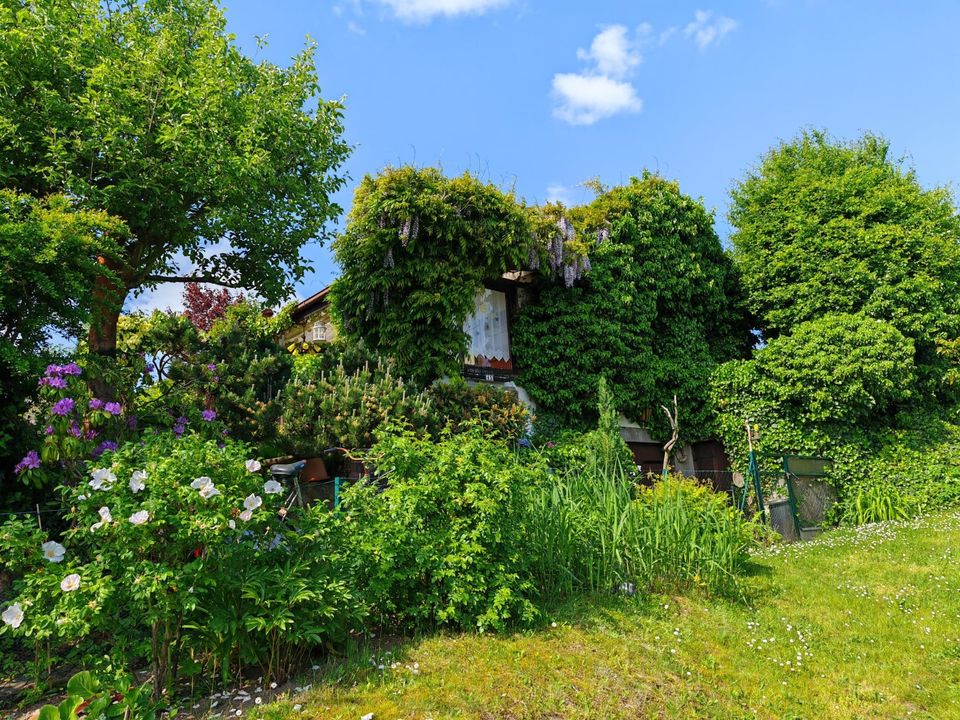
point(487, 328)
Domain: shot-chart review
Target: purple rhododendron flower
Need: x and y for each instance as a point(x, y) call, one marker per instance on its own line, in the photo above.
point(209, 415)
point(53, 370)
point(75, 430)
point(180, 425)
point(54, 382)
point(90, 434)
point(113, 408)
point(132, 422)
point(64, 406)
point(71, 369)
point(103, 447)
point(96, 404)
point(31, 461)
point(211, 367)
point(48, 430)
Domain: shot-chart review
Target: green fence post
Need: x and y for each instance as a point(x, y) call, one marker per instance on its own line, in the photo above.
point(336, 492)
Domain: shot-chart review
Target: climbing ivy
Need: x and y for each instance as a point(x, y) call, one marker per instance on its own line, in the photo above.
point(656, 312)
point(417, 248)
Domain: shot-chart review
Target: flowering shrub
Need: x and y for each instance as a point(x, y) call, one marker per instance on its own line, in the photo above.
point(77, 425)
point(182, 542)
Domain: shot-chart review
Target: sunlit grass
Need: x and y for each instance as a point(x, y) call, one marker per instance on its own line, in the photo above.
point(863, 623)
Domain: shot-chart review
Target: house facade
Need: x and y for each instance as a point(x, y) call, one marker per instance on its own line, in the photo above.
point(489, 359)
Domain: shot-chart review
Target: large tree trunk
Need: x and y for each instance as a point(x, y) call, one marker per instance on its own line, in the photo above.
point(108, 299)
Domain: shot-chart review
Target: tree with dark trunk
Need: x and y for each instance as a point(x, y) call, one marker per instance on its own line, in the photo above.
point(220, 168)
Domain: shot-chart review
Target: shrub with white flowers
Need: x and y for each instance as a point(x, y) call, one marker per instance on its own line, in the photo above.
point(173, 539)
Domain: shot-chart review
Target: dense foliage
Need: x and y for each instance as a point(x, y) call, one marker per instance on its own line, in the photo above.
point(49, 258)
point(828, 227)
point(656, 312)
point(853, 271)
point(417, 248)
point(176, 553)
point(149, 111)
point(444, 540)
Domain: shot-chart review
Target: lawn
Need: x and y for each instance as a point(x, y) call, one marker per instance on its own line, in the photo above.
point(863, 623)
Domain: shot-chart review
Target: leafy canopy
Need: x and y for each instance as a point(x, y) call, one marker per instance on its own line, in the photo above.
point(657, 310)
point(830, 227)
point(417, 248)
point(149, 112)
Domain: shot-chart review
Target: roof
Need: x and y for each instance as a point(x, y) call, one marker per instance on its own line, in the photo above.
point(311, 304)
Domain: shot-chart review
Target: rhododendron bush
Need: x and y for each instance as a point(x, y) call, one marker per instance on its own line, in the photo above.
point(176, 543)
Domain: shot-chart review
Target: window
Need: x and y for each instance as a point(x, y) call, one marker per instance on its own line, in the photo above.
point(318, 331)
point(489, 332)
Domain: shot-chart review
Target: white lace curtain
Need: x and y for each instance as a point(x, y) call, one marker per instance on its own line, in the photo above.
point(487, 327)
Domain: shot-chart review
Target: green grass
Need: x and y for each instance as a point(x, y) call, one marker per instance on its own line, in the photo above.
point(863, 623)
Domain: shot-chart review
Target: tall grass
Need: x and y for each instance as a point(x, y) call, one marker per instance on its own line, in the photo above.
point(591, 528)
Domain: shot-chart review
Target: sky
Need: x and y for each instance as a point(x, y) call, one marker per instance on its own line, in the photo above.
point(539, 96)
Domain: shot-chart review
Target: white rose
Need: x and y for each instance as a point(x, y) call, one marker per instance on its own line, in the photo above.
point(252, 502)
point(53, 551)
point(70, 583)
point(13, 615)
point(208, 491)
point(272, 487)
point(246, 515)
point(136, 480)
point(201, 482)
point(253, 466)
point(139, 517)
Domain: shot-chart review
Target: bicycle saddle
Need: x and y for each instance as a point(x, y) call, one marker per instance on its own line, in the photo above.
point(288, 470)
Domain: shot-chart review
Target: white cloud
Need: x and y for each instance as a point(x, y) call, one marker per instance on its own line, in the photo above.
point(612, 52)
point(584, 99)
point(559, 193)
point(707, 29)
point(426, 10)
point(602, 89)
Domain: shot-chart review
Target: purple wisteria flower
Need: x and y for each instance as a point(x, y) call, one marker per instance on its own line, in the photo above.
point(71, 369)
point(209, 415)
point(103, 447)
point(31, 461)
point(113, 408)
point(64, 406)
point(96, 404)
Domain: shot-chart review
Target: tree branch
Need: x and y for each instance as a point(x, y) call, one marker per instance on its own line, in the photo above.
point(209, 279)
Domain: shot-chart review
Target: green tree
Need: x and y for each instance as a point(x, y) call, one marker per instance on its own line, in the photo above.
point(48, 263)
point(656, 312)
point(149, 112)
point(417, 248)
point(823, 226)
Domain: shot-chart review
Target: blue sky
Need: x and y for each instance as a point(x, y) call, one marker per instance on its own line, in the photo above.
point(539, 96)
